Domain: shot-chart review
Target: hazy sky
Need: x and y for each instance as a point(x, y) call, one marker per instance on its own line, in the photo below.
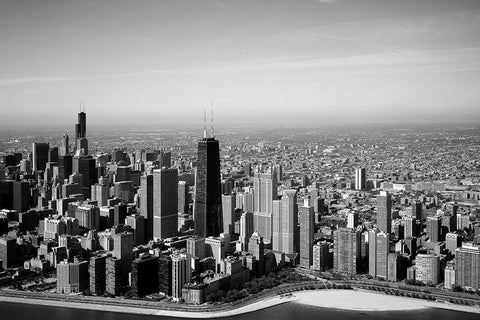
point(315, 61)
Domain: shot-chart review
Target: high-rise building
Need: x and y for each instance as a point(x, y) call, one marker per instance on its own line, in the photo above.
point(100, 192)
point(137, 222)
point(165, 159)
point(417, 210)
point(468, 266)
point(384, 212)
point(285, 222)
point(72, 277)
point(321, 256)
point(452, 242)
point(427, 268)
point(196, 247)
point(434, 225)
point(40, 156)
point(449, 279)
point(208, 201)
point(113, 274)
point(165, 203)
point(360, 179)
point(86, 166)
point(347, 247)
point(246, 228)
point(181, 273)
point(97, 272)
point(64, 146)
point(378, 250)
point(21, 196)
point(183, 197)
point(307, 228)
point(228, 209)
point(165, 275)
point(144, 276)
point(123, 250)
point(8, 252)
point(146, 204)
point(352, 219)
point(81, 126)
point(265, 191)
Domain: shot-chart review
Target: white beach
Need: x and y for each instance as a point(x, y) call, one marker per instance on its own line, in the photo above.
point(359, 300)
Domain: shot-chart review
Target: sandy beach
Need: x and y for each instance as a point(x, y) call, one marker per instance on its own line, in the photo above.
point(360, 300)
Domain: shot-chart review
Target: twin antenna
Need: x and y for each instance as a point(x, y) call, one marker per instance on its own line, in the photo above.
point(205, 124)
point(82, 107)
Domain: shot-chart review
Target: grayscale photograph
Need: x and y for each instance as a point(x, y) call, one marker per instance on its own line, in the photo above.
point(240, 159)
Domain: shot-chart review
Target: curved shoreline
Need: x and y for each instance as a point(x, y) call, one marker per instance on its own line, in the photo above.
point(358, 300)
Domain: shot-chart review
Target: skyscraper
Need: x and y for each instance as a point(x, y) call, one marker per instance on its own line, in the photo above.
point(307, 226)
point(228, 208)
point(384, 212)
point(181, 273)
point(146, 204)
point(64, 146)
point(183, 197)
point(434, 226)
point(379, 248)
point(208, 201)
point(81, 126)
point(265, 191)
point(246, 228)
point(468, 266)
point(360, 179)
point(40, 156)
point(165, 203)
point(81, 141)
point(347, 248)
point(285, 221)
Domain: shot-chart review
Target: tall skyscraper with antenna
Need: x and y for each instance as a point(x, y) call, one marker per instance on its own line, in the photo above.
point(81, 141)
point(207, 211)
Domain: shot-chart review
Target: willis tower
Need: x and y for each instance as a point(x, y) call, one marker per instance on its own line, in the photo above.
point(81, 141)
point(207, 211)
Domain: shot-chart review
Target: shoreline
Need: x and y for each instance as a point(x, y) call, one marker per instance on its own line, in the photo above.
point(358, 300)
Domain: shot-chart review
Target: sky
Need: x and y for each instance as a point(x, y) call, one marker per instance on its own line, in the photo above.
point(257, 61)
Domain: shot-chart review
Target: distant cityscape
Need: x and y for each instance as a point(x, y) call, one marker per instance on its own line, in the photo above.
point(181, 217)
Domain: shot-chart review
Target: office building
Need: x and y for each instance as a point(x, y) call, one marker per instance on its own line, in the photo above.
point(285, 223)
point(246, 228)
point(378, 250)
point(384, 212)
point(165, 203)
point(39, 156)
point(137, 222)
point(146, 204)
point(360, 179)
point(123, 250)
point(228, 209)
point(72, 277)
point(183, 197)
point(434, 225)
point(352, 219)
point(144, 276)
point(265, 192)
point(208, 201)
point(196, 247)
